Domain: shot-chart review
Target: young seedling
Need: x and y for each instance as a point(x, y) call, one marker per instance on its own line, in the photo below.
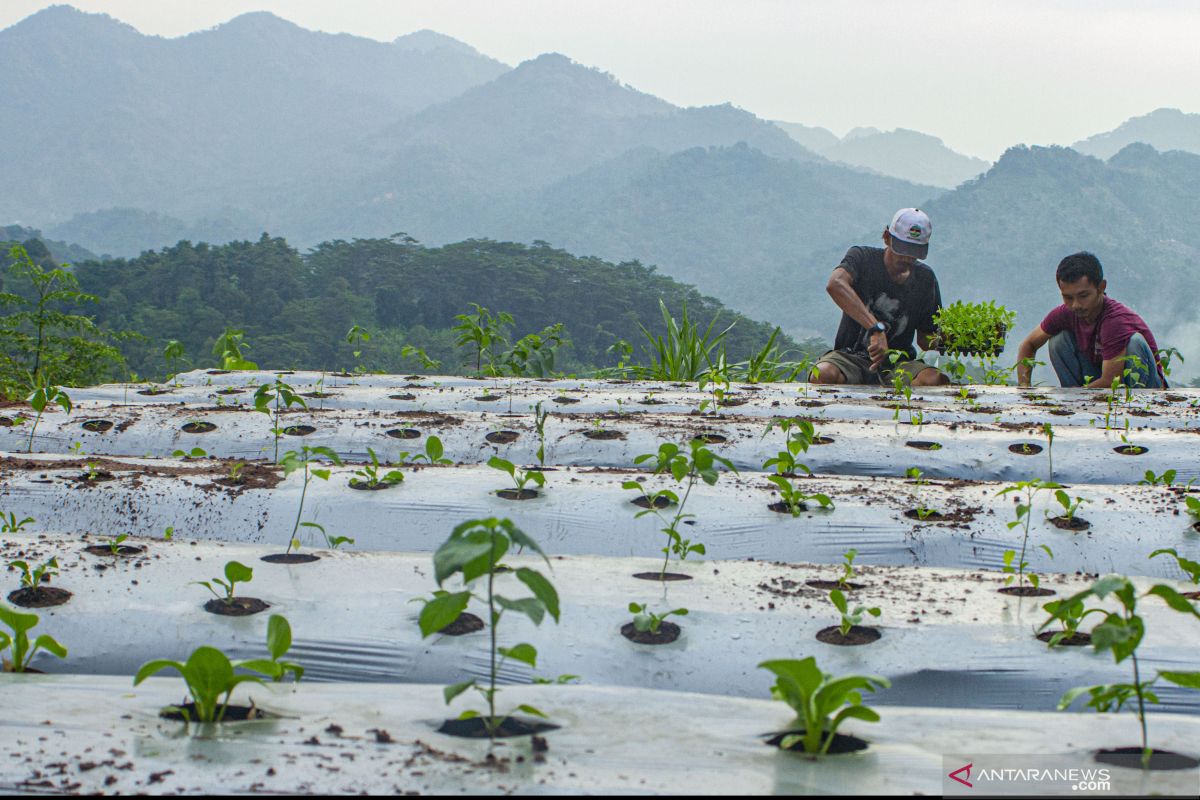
point(821, 701)
point(270, 399)
point(369, 477)
point(539, 421)
point(1070, 613)
point(228, 348)
point(698, 464)
point(172, 354)
point(1070, 507)
point(357, 334)
point(279, 641)
point(1166, 479)
point(474, 551)
point(235, 573)
point(39, 400)
point(10, 523)
point(918, 477)
point(114, 544)
point(195, 452)
point(432, 455)
point(1048, 429)
point(235, 472)
point(1121, 633)
point(15, 651)
point(520, 477)
point(784, 462)
point(332, 542)
point(1192, 506)
point(844, 579)
point(1023, 517)
point(1189, 567)
point(484, 333)
point(292, 461)
point(795, 498)
point(849, 618)
point(645, 621)
point(32, 578)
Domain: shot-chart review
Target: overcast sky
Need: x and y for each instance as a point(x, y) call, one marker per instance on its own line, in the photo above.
point(981, 74)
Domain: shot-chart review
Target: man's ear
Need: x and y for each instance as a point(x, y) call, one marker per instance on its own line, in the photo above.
point(887, 237)
point(1103, 285)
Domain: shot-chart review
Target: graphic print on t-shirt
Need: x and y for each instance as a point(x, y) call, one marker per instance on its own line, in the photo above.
point(887, 310)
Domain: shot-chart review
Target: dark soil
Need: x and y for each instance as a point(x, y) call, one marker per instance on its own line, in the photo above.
point(317, 395)
point(565, 400)
point(430, 419)
point(290, 558)
point(658, 576)
point(232, 713)
point(729, 402)
point(842, 743)
point(604, 435)
point(404, 433)
point(710, 438)
point(642, 502)
point(217, 372)
point(515, 494)
point(41, 597)
point(97, 425)
point(1061, 412)
point(829, 585)
point(650, 401)
point(667, 633)
point(413, 377)
point(931, 516)
point(502, 437)
point(5, 422)
point(474, 728)
point(984, 409)
point(404, 396)
point(122, 550)
point(153, 392)
point(299, 430)
point(1075, 640)
point(1131, 450)
point(253, 476)
point(1025, 449)
point(231, 390)
point(923, 445)
point(89, 479)
point(1142, 412)
point(466, 623)
point(364, 486)
point(240, 607)
point(782, 507)
point(1072, 524)
point(822, 440)
point(1026, 591)
point(487, 398)
point(1131, 757)
point(811, 403)
point(859, 634)
point(198, 427)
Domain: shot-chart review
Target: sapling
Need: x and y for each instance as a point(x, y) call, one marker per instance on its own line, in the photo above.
point(784, 462)
point(821, 701)
point(270, 398)
point(368, 474)
point(1031, 489)
point(1166, 479)
point(698, 464)
point(332, 542)
point(1070, 507)
point(235, 573)
point(848, 557)
point(539, 422)
point(484, 333)
point(795, 498)
point(849, 618)
point(195, 452)
point(173, 353)
point(359, 334)
point(279, 641)
point(18, 641)
point(1048, 429)
point(1192, 506)
point(114, 544)
point(1070, 613)
point(235, 472)
point(646, 621)
point(228, 348)
point(918, 478)
point(39, 399)
point(10, 523)
point(1121, 632)
point(432, 455)
point(520, 477)
point(32, 578)
point(474, 551)
point(292, 461)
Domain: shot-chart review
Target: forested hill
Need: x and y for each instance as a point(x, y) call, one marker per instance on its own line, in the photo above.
point(296, 308)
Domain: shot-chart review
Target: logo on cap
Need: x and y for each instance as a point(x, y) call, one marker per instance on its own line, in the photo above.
point(914, 232)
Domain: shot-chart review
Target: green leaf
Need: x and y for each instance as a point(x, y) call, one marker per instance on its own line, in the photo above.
point(458, 552)
point(496, 462)
point(236, 572)
point(279, 636)
point(156, 666)
point(525, 653)
point(542, 589)
point(529, 606)
point(454, 690)
point(1174, 599)
point(1189, 680)
point(208, 673)
point(47, 643)
point(442, 611)
point(528, 709)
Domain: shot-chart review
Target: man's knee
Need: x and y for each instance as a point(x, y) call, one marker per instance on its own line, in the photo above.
point(827, 372)
point(930, 377)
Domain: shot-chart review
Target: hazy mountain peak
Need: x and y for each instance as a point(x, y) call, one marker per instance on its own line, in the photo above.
point(426, 41)
point(859, 133)
point(1164, 129)
point(257, 23)
point(68, 21)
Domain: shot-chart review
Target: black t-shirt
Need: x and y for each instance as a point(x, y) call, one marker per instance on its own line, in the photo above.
point(906, 307)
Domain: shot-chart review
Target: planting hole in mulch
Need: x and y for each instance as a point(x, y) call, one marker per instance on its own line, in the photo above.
point(299, 430)
point(232, 713)
point(1131, 757)
point(822, 440)
point(659, 576)
point(41, 597)
point(923, 445)
point(811, 403)
point(1074, 640)
point(89, 479)
point(565, 400)
point(1025, 448)
point(405, 396)
point(1026, 591)
point(659, 502)
point(667, 633)
point(231, 390)
point(153, 392)
point(474, 728)
point(604, 435)
point(97, 425)
point(199, 427)
point(781, 507)
point(240, 607)
point(930, 515)
point(404, 433)
point(618, 381)
point(1061, 412)
point(217, 372)
point(1131, 450)
point(413, 377)
point(710, 438)
point(487, 398)
point(859, 634)
point(517, 494)
point(1142, 412)
point(502, 437)
point(317, 395)
point(365, 486)
point(290, 558)
point(1072, 524)
point(842, 743)
point(650, 401)
point(464, 624)
point(829, 585)
point(122, 550)
point(729, 402)
point(5, 422)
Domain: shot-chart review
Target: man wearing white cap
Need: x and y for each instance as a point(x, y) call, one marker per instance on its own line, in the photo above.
point(886, 296)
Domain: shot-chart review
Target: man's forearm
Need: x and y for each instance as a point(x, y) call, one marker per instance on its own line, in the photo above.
point(848, 301)
point(1025, 354)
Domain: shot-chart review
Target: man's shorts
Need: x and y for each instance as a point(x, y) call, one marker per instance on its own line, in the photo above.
point(856, 367)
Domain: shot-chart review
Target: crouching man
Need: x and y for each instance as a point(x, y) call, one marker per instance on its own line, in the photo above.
point(1093, 338)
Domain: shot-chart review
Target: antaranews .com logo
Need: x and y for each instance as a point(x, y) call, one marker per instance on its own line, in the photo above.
point(1025, 776)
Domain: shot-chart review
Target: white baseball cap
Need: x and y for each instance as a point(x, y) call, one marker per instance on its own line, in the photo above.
point(910, 230)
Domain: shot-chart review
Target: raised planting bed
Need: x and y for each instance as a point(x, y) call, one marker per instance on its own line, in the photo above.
point(946, 638)
point(350, 739)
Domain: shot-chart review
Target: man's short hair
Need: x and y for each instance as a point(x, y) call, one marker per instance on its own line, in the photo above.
point(1080, 265)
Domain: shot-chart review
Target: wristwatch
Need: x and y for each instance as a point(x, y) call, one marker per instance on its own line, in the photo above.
point(879, 327)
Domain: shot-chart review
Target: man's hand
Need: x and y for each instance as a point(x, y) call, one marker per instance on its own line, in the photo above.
point(877, 349)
